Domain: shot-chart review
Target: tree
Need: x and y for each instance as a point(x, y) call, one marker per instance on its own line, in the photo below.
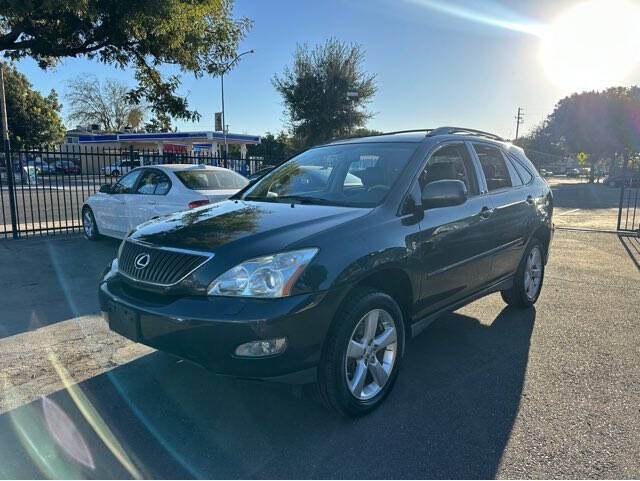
point(106, 104)
point(135, 118)
point(315, 89)
point(365, 132)
point(272, 148)
point(33, 119)
point(159, 123)
point(196, 36)
point(601, 124)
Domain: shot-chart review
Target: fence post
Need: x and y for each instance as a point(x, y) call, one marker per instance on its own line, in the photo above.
point(624, 182)
point(12, 190)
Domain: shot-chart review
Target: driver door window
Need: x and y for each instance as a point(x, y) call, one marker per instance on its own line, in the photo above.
point(451, 162)
point(126, 184)
point(153, 182)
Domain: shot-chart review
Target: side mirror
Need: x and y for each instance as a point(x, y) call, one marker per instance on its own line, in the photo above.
point(443, 193)
point(105, 189)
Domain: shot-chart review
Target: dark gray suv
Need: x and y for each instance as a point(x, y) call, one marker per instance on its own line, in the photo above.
point(320, 270)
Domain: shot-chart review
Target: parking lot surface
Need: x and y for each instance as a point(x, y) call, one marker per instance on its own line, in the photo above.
point(578, 204)
point(484, 392)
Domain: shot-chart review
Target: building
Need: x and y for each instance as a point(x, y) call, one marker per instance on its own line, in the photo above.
point(160, 143)
point(189, 142)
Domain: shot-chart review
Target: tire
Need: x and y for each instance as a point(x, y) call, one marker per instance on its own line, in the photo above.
point(89, 226)
point(526, 288)
point(114, 173)
point(345, 362)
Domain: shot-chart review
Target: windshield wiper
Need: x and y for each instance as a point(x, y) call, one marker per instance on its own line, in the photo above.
point(300, 199)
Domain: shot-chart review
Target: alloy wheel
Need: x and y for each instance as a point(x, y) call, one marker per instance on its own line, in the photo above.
point(87, 223)
point(533, 273)
point(371, 354)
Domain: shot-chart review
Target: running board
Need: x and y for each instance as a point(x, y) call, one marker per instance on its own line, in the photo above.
point(419, 326)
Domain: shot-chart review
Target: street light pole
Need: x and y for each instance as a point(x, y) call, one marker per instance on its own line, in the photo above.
point(224, 125)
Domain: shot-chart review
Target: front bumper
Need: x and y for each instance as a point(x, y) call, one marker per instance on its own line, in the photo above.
point(207, 330)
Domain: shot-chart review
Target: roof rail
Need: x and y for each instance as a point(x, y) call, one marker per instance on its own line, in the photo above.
point(462, 130)
point(406, 131)
point(349, 137)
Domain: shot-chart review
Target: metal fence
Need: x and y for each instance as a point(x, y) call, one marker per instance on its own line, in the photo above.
point(629, 207)
point(42, 191)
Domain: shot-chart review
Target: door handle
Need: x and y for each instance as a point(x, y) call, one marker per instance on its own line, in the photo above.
point(529, 199)
point(486, 212)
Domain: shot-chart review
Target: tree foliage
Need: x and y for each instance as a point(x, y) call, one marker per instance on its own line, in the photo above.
point(103, 103)
point(314, 91)
point(33, 118)
point(601, 124)
point(272, 147)
point(196, 36)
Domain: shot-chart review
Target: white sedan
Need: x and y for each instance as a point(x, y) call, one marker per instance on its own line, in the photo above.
point(153, 191)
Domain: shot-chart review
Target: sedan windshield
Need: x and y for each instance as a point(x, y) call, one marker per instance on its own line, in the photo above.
point(357, 175)
point(211, 179)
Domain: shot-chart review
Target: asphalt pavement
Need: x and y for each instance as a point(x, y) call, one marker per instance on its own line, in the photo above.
point(488, 391)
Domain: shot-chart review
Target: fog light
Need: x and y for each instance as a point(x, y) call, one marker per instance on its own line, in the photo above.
point(267, 347)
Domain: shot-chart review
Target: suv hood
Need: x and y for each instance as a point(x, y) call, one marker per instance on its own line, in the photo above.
point(259, 226)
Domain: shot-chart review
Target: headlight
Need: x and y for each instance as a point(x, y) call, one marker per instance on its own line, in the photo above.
point(267, 276)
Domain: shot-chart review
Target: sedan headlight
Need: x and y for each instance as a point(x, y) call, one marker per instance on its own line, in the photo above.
point(267, 276)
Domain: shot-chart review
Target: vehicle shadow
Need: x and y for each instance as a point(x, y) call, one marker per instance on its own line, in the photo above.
point(450, 415)
point(49, 280)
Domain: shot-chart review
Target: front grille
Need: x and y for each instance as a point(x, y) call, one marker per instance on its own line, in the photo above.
point(165, 267)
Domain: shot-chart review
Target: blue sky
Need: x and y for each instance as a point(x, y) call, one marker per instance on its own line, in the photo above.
point(437, 62)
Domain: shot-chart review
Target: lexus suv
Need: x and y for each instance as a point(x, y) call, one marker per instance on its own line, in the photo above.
point(323, 269)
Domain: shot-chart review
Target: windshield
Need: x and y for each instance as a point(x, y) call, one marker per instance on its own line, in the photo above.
point(211, 179)
point(358, 175)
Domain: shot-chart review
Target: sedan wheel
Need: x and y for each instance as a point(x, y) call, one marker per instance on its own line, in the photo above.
point(89, 224)
point(371, 354)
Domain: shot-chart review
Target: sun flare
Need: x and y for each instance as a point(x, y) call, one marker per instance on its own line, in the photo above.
point(593, 45)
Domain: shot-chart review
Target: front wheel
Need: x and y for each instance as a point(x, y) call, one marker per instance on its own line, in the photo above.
point(527, 282)
point(89, 225)
point(363, 351)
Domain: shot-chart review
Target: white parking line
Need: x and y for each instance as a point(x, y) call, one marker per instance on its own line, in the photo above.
point(568, 212)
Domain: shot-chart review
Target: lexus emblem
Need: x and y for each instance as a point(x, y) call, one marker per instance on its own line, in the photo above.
point(142, 260)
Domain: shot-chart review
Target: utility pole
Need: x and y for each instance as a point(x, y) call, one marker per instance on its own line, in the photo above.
point(519, 120)
point(7, 153)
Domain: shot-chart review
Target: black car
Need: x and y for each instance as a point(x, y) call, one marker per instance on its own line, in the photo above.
point(325, 267)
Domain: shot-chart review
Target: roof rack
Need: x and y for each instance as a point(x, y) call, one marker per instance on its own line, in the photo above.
point(462, 130)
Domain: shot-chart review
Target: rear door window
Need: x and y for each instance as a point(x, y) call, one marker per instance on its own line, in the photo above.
point(494, 167)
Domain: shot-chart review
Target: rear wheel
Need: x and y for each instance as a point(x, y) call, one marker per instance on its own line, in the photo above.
point(363, 353)
point(115, 173)
point(527, 282)
point(89, 225)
